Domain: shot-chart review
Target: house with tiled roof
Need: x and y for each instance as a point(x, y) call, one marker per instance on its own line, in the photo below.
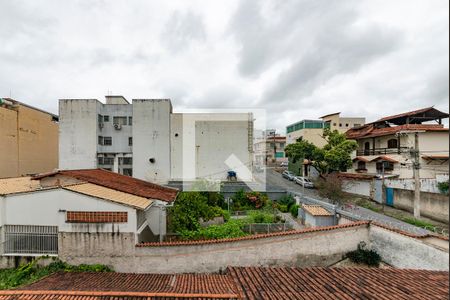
point(242, 283)
point(41, 214)
point(316, 216)
point(388, 148)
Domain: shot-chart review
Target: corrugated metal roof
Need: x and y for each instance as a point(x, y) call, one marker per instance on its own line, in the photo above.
point(316, 210)
point(110, 194)
point(18, 185)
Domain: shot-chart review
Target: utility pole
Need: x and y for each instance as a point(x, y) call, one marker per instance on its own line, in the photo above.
point(383, 189)
point(416, 170)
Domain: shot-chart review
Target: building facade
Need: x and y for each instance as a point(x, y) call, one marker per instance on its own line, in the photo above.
point(270, 150)
point(147, 140)
point(389, 145)
point(39, 213)
point(29, 139)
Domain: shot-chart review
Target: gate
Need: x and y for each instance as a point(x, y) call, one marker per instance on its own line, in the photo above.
point(389, 196)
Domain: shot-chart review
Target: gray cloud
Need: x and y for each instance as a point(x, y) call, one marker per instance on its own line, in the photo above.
point(182, 29)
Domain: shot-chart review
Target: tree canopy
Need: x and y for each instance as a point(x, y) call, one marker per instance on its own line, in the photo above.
point(333, 157)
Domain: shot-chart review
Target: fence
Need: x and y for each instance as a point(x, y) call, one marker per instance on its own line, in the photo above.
point(33, 240)
point(259, 228)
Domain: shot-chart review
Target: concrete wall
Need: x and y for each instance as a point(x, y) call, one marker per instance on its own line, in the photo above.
point(313, 135)
point(78, 133)
point(151, 131)
point(48, 208)
point(119, 137)
point(432, 205)
point(307, 249)
point(405, 252)
point(358, 187)
point(29, 141)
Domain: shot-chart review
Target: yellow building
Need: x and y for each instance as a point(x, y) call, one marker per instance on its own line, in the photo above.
point(28, 139)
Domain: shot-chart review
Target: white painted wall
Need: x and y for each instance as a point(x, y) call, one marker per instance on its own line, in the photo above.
point(358, 187)
point(78, 133)
point(151, 130)
point(43, 208)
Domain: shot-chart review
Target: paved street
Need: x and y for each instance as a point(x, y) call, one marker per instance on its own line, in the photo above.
point(275, 179)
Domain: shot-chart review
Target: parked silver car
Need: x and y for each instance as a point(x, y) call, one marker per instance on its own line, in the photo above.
point(305, 182)
point(288, 175)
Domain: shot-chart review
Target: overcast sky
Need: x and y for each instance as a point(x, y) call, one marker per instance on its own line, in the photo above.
point(298, 59)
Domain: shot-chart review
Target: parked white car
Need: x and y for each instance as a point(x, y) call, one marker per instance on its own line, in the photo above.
point(305, 182)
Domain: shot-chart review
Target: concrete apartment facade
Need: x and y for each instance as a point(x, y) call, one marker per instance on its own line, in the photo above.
point(146, 140)
point(29, 139)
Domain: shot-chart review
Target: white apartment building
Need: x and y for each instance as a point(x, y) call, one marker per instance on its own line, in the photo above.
point(147, 140)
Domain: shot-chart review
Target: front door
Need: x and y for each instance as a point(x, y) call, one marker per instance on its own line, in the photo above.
point(389, 196)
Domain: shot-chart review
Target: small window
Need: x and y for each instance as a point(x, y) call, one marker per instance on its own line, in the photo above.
point(100, 118)
point(392, 143)
point(108, 161)
point(126, 160)
point(130, 121)
point(100, 160)
point(346, 125)
point(105, 118)
point(334, 124)
point(340, 124)
point(388, 166)
point(130, 141)
point(100, 140)
point(107, 141)
point(356, 125)
point(361, 166)
point(127, 172)
point(120, 120)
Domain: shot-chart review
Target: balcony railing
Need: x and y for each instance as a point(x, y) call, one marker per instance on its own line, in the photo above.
point(381, 151)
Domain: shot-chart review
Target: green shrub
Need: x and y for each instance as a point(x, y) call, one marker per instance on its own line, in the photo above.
point(259, 216)
point(294, 210)
point(287, 200)
point(30, 272)
point(443, 187)
point(283, 208)
point(231, 229)
point(364, 256)
point(189, 208)
point(250, 200)
point(418, 223)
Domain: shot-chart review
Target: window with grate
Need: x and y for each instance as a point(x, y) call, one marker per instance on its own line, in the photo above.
point(28, 239)
point(105, 118)
point(120, 120)
point(130, 121)
point(392, 143)
point(130, 141)
point(100, 140)
point(361, 165)
point(107, 141)
point(388, 166)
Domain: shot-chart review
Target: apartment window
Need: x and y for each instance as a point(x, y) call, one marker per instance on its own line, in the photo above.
point(100, 118)
point(100, 140)
point(388, 166)
point(29, 239)
point(361, 166)
point(126, 160)
point(130, 121)
point(107, 141)
point(127, 172)
point(100, 160)
point(130, 141)
point(120, 120)
point(392, 143)
point(105, 118)
point(108, 160)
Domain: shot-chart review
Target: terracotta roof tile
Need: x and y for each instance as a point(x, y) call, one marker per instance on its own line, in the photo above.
point(253, 237)
point(242, 283)
point(356, 176)
point(369, 130)
point(208, 286)
point(110, 194)
point(339, 283)
point(120, 182)
point(412, 113)
point(18, 185)
point(316, 210)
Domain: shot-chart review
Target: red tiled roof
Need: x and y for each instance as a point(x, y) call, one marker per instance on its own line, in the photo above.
point(120, 183)
point(386, 158)
point(242, 283)
point(339, 283)
point(252, 237)
point(411, 114)
point(370, 130)
point(211, 286)
point(438, 157)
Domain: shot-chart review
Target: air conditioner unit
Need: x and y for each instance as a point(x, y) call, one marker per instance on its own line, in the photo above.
point(117, 126)
point(101, 125)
